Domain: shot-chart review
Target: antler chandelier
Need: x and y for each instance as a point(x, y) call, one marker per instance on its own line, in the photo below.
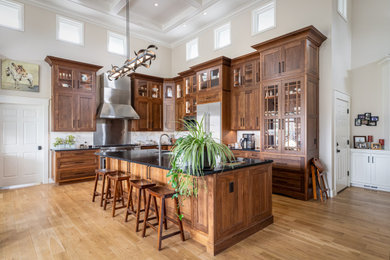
point(143, 57)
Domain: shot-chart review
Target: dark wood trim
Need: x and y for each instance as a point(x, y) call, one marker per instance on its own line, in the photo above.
point(212, 63)
point(146, 77)
point(309, 32)
point(245, 58)
point(76, 64)
point(187, 73)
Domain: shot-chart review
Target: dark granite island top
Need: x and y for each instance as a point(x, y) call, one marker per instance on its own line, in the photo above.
point(151, 158)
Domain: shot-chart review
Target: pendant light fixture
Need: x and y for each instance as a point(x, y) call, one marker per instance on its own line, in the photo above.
point(143, 57)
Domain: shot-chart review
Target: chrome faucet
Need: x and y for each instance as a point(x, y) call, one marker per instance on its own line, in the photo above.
point(159, 143)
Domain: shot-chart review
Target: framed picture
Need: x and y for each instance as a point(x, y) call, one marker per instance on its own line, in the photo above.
point(365, 122)
point(19, 76)
point(376, 146)
point(358, 122)
point(361, 116)
point(364, 145)
point(374, 118)
point(358, 139)
point(367, 116)
point(372, 123)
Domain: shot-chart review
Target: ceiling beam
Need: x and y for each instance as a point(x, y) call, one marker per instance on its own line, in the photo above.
point(194, 3)
point(117, 6)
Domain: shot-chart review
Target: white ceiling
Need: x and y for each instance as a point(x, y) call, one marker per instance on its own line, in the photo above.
point(168, 23)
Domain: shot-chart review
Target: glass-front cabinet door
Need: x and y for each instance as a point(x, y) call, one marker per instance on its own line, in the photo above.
point(179, 90)
point(237, 76)
point(142, 88)
point(271, 142)
point(65, 77)
point(155, 90)
point(292, 114)
point(215, 77)
point(86, 81)
point(271, 117)
point(203, 80)
point(249, 74)
point(194, 83)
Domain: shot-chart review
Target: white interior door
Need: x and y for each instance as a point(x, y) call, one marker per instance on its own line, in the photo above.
point(21, 134)
point(342, 136)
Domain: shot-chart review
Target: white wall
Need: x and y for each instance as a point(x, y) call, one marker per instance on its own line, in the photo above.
point(370, 43)
point(39, 40)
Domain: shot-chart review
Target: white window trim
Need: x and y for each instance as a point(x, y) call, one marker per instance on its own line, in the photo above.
point(343, 15)
point(261, 9)
point(118, 35)
point(20, 6)
point(197, 45)
point(58, 18)
point(219, 29)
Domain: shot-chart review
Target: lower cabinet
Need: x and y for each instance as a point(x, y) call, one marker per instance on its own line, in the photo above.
point(370, 169)
point(74, 165)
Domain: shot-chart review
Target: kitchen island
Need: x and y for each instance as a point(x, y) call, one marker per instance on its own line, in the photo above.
point(233, 202)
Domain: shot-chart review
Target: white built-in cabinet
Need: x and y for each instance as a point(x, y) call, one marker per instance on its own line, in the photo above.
point(370, 169)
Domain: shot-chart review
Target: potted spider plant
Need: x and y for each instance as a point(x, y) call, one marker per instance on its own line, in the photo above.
point(191, 155)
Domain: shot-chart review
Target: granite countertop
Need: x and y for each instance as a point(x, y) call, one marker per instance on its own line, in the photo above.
point(73, 149)
point(152, 158)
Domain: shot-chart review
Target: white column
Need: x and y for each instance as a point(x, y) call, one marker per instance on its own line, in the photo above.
point(385, 67)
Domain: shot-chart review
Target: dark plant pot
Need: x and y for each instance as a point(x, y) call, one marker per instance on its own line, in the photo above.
point(206, 161)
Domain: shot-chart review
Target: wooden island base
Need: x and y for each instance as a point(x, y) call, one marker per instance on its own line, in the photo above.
point(230, 205)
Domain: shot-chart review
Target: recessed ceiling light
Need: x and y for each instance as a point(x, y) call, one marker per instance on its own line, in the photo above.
point(156, 4)
point(184, 25)
point(204, 13)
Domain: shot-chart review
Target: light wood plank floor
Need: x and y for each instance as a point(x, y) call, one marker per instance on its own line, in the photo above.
point(61, 222)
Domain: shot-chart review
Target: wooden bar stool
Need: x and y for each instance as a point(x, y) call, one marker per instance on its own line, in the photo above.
point(116, 180)
point(141, 185)
point(162, 193)
point(318, 169)
point(103, 173)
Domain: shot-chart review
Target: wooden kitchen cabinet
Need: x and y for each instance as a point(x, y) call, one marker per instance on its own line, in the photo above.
point(169, 119)
point(289, 108)
point(74, 165)
point(73, 99)
point(147, 98)
point(283, 60)
point(245, 110)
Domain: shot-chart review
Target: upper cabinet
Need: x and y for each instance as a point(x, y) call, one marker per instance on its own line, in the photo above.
point(73, 95)
point(245, 71)
point(283, 60)
point(169, 105)
point(147, 99)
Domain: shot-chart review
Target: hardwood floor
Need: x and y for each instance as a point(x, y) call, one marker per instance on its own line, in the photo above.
point(61, 222)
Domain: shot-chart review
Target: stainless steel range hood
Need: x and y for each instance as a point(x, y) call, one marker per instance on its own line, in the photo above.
point(116, 99)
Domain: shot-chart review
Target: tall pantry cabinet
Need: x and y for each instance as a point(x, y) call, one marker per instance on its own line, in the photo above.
point(289, 69)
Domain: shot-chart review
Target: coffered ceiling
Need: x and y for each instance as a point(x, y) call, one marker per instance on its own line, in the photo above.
point(162, 21)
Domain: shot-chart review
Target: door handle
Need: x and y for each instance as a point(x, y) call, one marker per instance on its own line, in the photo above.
point(338, 150)
point(372, 159)
point(279, 67)
point(39, 147)
point(283, 67)
point(368, 159)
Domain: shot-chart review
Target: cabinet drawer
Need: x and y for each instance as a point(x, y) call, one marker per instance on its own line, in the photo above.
point(83, 161)
point(76, 173)
point(209, 97)
point(286, 162)
point(253, 155)
point(76, 153)
point(288, 179)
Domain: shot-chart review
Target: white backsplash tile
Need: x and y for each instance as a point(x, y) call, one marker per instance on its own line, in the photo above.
point(81, 137)
point(152, 137)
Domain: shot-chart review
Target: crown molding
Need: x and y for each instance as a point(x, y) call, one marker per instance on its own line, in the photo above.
point(221, 20)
